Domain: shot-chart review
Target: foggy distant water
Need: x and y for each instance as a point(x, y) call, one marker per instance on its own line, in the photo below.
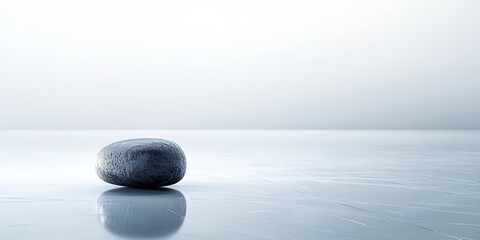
point(248, 185)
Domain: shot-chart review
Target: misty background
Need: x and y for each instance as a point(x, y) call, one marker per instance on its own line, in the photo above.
point(186, 64)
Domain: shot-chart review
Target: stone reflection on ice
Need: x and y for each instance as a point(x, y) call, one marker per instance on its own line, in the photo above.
point(141, 213)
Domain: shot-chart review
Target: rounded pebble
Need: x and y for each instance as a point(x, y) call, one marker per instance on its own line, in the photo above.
point(142, 163)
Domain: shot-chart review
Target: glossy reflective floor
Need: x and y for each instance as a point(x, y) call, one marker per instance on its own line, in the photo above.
point(248, 185)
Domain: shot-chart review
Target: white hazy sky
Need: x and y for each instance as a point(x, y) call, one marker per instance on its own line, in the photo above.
point(190, 64)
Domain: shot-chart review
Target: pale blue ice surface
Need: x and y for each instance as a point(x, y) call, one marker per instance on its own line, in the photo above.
point(248, 185)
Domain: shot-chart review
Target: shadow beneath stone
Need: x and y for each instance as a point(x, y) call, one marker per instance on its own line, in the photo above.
point(142, 213)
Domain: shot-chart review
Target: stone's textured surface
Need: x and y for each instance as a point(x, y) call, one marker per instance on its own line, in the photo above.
point(143, 163)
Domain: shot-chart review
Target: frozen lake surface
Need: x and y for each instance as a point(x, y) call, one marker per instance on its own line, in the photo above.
point(248, 185)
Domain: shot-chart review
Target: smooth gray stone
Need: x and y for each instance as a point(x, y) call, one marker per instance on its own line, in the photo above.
point(142, 162)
